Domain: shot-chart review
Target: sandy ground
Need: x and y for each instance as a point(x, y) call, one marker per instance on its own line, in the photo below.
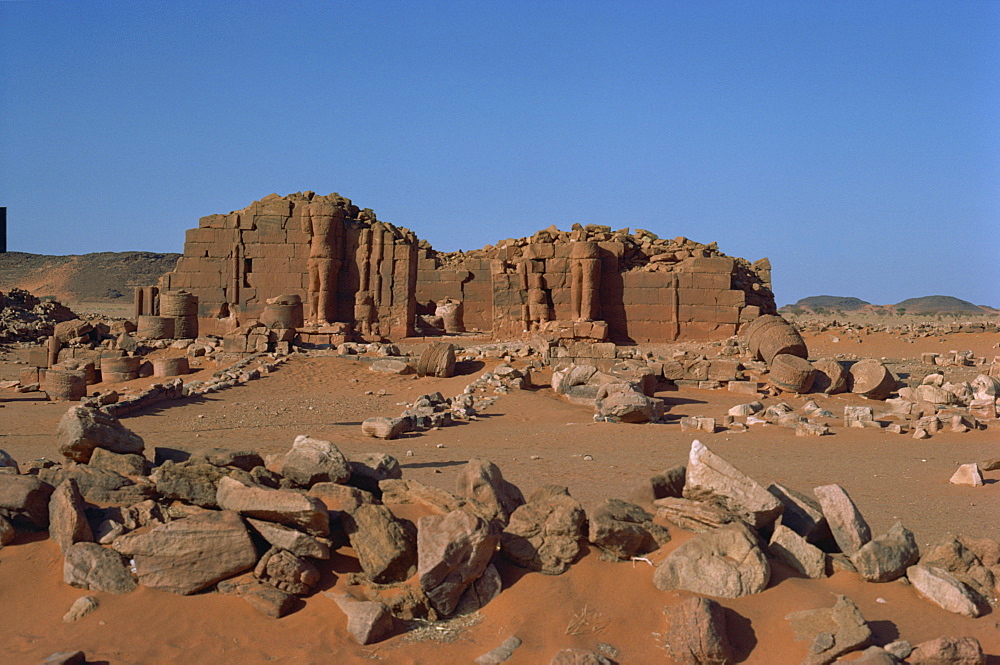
point(890, 477)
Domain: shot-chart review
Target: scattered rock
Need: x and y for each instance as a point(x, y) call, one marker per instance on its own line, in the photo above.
point(579, 657)
point(501, 653)
point(792, 549)
point(849, 528)
point(385, 428)
point(453, 550)
point(67, 522)
point(546, 533)
point(727, 563)
point(696, 633)
point(386, 546)
point(481, 482)
point(833, 631)
point(312, 461)
point(887, 558)
point(623, 530)
point(80, 608)
point(283, 570)
point(801, 514)
point(967, 474)
point(294, 541)
point(711, 478)
point(82, 429)
point(286, 507)
point(24, 501)
point(90, 566)
point(943, 589)
point(948, 651)
point(367, 621)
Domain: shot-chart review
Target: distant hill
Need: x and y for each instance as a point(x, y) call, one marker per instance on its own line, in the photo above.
point(842, 303)
point(99, 277)
point(939, 305)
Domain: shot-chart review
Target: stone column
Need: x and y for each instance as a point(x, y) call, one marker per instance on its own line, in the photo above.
point(585, 284)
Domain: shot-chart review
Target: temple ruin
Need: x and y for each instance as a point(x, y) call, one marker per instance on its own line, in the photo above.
point(358, 277)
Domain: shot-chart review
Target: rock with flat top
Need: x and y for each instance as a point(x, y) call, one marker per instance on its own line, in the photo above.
point(967, 474)
point(727, 562)
point(312, 461)
point(943, 589)
point(287, 507)
point(82, 429)
point(832, 632)
point(623, 530)
point(90, 566)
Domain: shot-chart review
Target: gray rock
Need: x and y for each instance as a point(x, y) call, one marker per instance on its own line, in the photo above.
point(696, 633)
point(385, 428)
point(368, 470)
point(727, 562)
point(848, 527)
point(792, 549)
point(266, 599)
point(579, 657)
point(283, 570)
point(90, 566)
point(876, 656)
point(312, 461)
point(24, 501)
point(82, 429)
point(8, 462)
point(958, 556)
point(711, 478)
point(453, 551)
point(247, 460)
point(126, 465)
point(385, 545)
point(67, 521)
point(831, 631)
point(191, 554)
point(943, 589)
point(546, 533)
point(367, 621)
point(190, 482)
point(286, 507)
point(887, 558)
point(694, 516)
point(480, 592)
point(101, 486)
point(624, 530)
point(501, 654)
point(481, 482)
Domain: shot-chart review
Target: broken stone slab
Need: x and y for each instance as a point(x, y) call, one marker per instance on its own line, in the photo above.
point(546, 533)
point(966, 559)
point(190, 554)
point(694, 516)
point(286, 507)
point(312, 461)
point(480, 592)
point(90, 566)
point(289, 539)
point(948, 651)
point(367, 621)
point(832, 631)
point(848, 527)
point(67, 521)
point(368, 470)
point(385, 545)
point(123, 464)
point(727, 562)
point(191, 482)
point(266, 599)
point(414, 492)
point(101, 486)
point(623, 530)
point(501, 654)
point(792, 550)
point(247, 460)
point(696, 633)
point(886, 558)
point(711, 478)
point(453, 551)
point(481, 482)
point(943, 589)
point(385, 428)
point(967, 474)
point(82, 429)
point(391, 366)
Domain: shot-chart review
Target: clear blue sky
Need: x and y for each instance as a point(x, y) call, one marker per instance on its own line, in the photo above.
point(856, 144)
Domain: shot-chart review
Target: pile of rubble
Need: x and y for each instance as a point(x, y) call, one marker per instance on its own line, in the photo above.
point(25, 318)
point(264, 529)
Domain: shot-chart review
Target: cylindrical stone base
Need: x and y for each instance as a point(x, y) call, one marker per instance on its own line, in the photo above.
point(156, 327)
point(65, 385)
point(791, 373)
point(170, 366)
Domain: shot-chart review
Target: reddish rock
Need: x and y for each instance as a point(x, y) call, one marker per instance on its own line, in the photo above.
point(696, 633)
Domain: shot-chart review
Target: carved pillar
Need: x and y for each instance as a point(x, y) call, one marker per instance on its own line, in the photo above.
point(585, 284)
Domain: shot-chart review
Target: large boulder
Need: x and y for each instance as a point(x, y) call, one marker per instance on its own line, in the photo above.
point(711, 478)
point(99, 485)
point(81, 429)
point(967, 559)
point(623, 530)
point(849, 528)
point(726, 563)
point(191, 554)
point(948, 651)
point(90, 566)
point(386, 546)
point(887, 558)
point(453, 550)
point(24, 501)
point(696, 633)
point(67, 521)
point(312, 461)
point(191, 482)
point(546, 533)
point(287, 507)
point(481, 482)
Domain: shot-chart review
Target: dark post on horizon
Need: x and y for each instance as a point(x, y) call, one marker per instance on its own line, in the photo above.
point(3, 229)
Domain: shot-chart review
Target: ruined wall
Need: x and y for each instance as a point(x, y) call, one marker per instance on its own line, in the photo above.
point(649, 290)
point(235, 262)
point(646, 289)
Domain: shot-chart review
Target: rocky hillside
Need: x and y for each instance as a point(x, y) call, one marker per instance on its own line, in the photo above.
point(99, 277)
point(926, 305)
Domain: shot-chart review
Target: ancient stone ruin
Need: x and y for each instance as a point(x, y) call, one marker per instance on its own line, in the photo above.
point(324, 267)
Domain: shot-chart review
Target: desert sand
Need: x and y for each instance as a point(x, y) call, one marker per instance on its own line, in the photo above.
point(535, 438)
